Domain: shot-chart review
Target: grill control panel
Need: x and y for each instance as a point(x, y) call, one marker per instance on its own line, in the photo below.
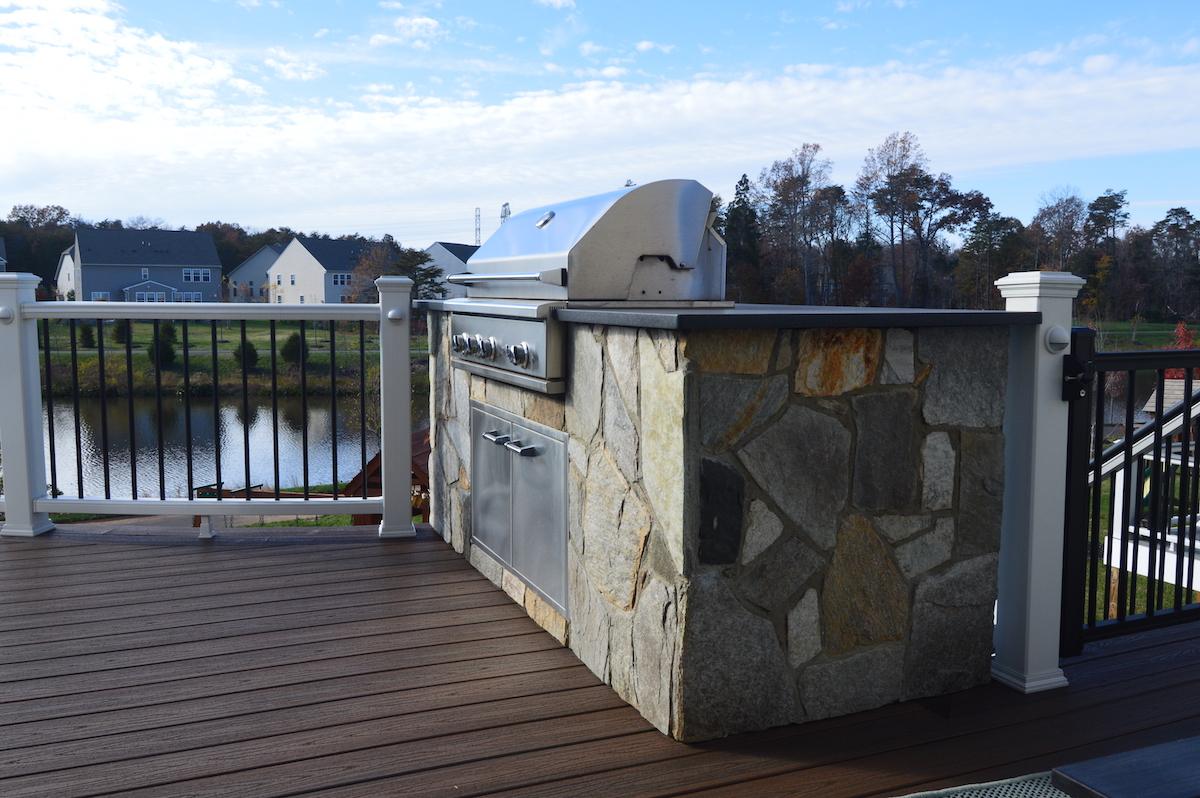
point(526, 352)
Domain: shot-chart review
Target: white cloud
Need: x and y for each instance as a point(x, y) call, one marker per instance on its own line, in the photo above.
point(321, 33)
point(418, 32)
point(589, 49)
point(559, 4)
point(645, 46)
point(608, 72)
point(290, 66)
point(175, 132)
point(1097, 64)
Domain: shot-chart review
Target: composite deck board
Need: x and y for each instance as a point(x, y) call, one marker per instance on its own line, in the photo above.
point(361, 668)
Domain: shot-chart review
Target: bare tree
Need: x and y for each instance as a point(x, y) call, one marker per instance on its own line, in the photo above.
point(884, 181)
point(788, 187)
point(1058, 224)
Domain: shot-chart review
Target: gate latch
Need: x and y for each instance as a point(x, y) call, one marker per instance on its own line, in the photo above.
point(1077, 378)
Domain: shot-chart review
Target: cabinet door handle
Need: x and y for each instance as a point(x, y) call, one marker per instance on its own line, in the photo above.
point(522, 449)
point(498, 438)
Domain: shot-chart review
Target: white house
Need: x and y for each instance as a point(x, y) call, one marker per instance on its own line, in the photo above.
point(451, 259)
point(312, 271)
point(248, 281)
point(139, 266)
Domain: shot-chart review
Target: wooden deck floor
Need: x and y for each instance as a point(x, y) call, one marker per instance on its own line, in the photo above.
point(360, 668)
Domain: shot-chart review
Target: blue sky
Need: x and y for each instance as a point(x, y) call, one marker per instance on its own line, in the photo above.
point(402, 117)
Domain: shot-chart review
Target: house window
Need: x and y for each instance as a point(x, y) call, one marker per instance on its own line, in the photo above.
point(293, 279)
point(197, 275)
point(189, 296)
point(100, 296)
point(302, 299)
point(251, 285)
point(278, 300)
point(140, 296)
point(145, 273)
point(341, 280)
point(279, 279)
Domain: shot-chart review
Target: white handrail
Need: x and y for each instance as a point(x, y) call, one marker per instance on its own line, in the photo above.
point(220, 311)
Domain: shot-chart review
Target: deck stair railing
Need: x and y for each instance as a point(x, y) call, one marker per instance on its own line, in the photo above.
point(1132, 503)
point(30, 456)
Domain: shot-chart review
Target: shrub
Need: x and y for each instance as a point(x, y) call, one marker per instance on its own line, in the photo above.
point(87, 338)
point(121, 331)
point(164, 355)
point(246, 355)
point(166, 332)
point(291, 350)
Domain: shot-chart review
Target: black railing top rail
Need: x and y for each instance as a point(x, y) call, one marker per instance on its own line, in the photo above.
point(1146, 360)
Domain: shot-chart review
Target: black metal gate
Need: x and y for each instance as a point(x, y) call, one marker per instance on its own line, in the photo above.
point(1133, 491)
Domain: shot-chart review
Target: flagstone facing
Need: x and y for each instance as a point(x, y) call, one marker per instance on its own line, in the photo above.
point(765, 526)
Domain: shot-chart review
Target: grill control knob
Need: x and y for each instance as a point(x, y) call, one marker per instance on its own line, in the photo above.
point(487, 347)
point(458, 342)
point(473, 346)
point(519, 354)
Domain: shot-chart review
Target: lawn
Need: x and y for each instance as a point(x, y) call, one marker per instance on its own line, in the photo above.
point(1118, 336)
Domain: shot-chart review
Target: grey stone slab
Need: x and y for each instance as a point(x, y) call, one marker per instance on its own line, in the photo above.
point(802, 462)
point(928, 551)
point(865, 597)
point(733, 407)
point(898, 358)
point(938, 462)
point(763, 528)
point(969, 373)
point(772, 581)
point(804, 629)
point(620, 434)
point(664, 346)
point(722, 496)
point(885, 457)
point(622, 348)
point(734, 673)
point(980, 492)
point(655, 646)
point(950, 647)
point(901, 527)
point(587, 383)
point(853, 683)
point(662, 446)
point(615, 526)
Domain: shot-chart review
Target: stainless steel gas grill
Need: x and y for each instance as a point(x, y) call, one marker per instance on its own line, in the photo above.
point(645, 246)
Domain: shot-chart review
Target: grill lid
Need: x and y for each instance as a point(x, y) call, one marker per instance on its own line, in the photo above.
point(651, 243)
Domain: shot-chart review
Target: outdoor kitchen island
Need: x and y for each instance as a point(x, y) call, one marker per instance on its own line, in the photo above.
point(774, 514)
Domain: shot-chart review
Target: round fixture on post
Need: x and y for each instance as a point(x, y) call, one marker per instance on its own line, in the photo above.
point(1057, 339)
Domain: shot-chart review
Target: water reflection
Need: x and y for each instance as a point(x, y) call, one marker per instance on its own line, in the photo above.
point(233, 421)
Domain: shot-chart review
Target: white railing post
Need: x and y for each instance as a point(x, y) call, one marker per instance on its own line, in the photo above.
point(21, 445)
point(1035, 463)
point(395, 402)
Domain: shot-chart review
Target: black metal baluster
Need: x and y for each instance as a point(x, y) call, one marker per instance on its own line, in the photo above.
point(1187, 541)
point(50, 412)
point(275, 408)
point(187, 412)
point(1158, 535)
point(1140, 466)
point(75, 409)
point(216, 382)
point(1194, 510)
point(362, 402)
point(333, 402)
point(1124, 580)
point(1097, 488)
point(304, 408)
point(103, 408)
point(245, 413)
point(129, 403)
point(1180, 535)
point(158, 414)
point(1108, 557)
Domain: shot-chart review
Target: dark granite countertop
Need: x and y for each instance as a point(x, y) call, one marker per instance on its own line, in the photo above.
point(791, 316)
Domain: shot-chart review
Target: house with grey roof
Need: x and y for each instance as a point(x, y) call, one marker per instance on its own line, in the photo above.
point(451, 258)
point(140, 266)
point(313, 271)
point(248, 280)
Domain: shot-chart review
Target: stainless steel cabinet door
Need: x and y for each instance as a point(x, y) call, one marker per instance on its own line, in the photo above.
point(539, 512)
point(491, 463)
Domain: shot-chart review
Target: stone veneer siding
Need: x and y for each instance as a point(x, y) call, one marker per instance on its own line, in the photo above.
point(765, 526)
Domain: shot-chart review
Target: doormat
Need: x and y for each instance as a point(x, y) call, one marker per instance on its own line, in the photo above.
point(1035, 786)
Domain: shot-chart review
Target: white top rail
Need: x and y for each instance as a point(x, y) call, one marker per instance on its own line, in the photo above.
point(205, 311)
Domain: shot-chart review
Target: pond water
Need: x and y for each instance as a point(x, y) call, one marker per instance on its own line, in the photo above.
point(230, 426)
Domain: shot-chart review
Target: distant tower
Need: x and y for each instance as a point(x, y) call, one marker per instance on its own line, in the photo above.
point(505, 212)
point(477, 242)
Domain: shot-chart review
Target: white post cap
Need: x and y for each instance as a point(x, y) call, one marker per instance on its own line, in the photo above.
point(1062, 285)
point(19, 280)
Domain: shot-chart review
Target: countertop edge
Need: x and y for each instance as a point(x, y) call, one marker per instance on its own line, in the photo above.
point(800, 319)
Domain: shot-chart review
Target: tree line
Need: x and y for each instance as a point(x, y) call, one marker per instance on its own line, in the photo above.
point(36, 235)
point(904, 235)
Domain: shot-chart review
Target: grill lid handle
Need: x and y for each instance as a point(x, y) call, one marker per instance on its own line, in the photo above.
point(549, 276)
